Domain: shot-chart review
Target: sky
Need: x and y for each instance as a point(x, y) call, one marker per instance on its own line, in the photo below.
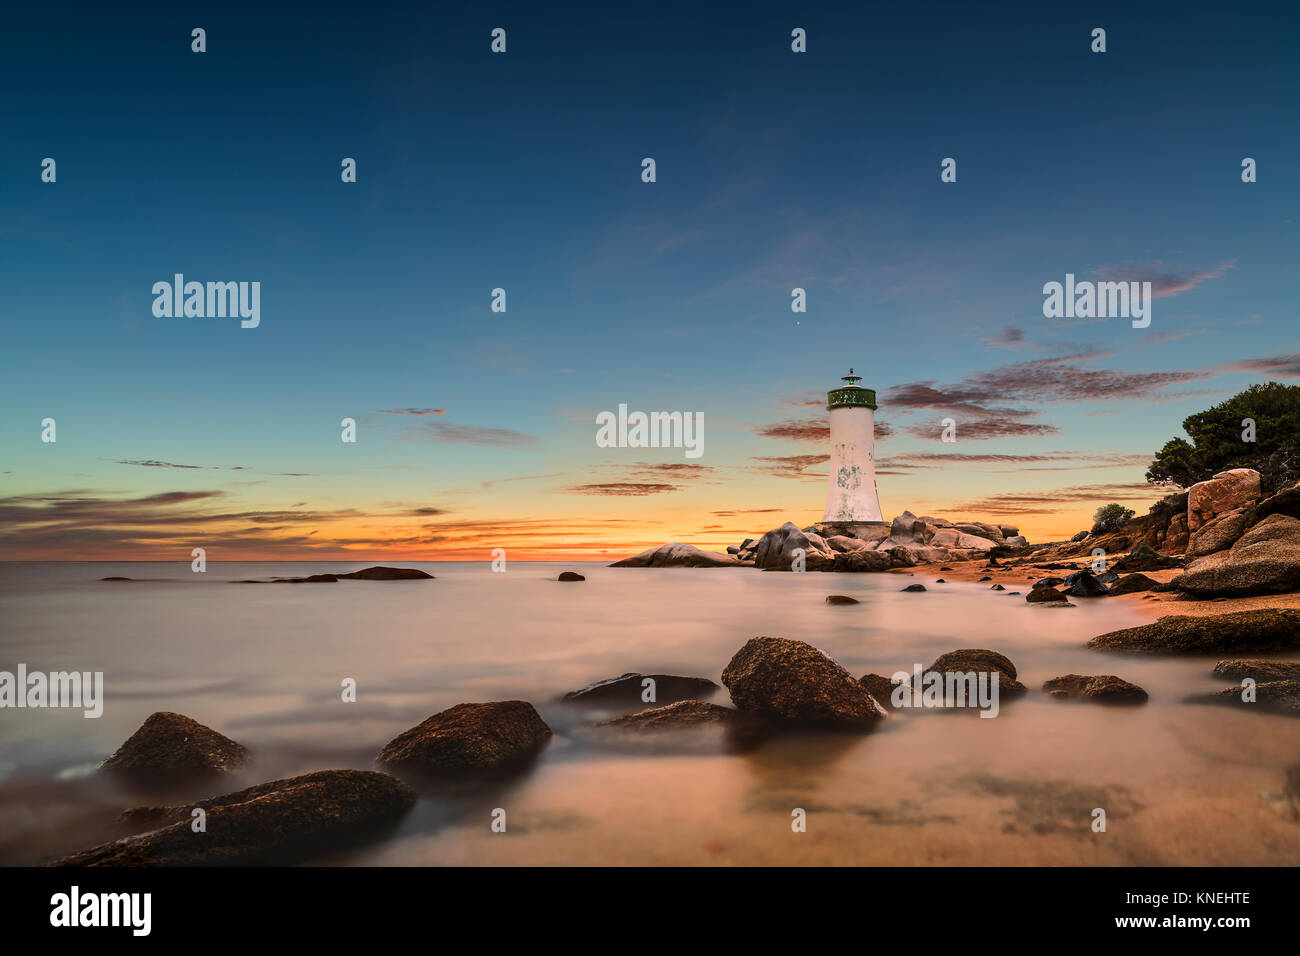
point(522, 171)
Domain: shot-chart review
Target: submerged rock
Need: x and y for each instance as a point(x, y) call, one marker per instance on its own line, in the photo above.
point(627, 689)
point(1277, 697)
point(173, 747)
point(1271, 629)
point(914, 588)
point(571, 576)
point(469, 736)
point(387, 574)
point(267, 823)
point(1258, 670)
point(1103, 688)
point(684, 713)
point(841, 599)
point(674, 554)
point(790, 680)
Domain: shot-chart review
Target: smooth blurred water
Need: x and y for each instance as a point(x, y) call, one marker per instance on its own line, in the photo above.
point(264, 664)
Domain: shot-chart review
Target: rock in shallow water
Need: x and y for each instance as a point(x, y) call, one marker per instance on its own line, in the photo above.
point(469, 736)
point(387, 574)
point(913, 588)
point(790, 680)
point(677, 555)
point(1046, 595)
point(1258, 670)
point(267, 823)
point(571, 576)
point(981, 660)
point(170, 747)
point(684, 713)
point(1102, 688)
point(841, 599)
point(1276, 697)
point(1270, 629)
point(628, 689)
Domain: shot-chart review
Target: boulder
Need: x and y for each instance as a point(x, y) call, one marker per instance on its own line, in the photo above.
point(677, 555)
point(1278, 696)
point(862, 561)
point(1284, 502)
point(173, 747)
point(1048, 582)
point(627, 690)
point(981, 660)
point(1260, 671)
point(1102, 688)
point(959, 538)
point(1266, 559)
point(1271, 629)
point(914, 588)
point(1046, 595)
point(387, 574)
point(775, 550)
point(790, 680)
point(1226, 491)
point(841, 599)
point(270, 823)
point(1217, 533)
point(1084, 584)
point(1008, 531)
point(1133, 583)
point(469, 736)
point(1143, 558)
point(683, 713)
point(1017, 541)
point(571, 576)
point(842, 542)
point(880, 688)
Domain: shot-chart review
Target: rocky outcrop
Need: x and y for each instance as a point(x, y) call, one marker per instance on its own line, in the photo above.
point(571, 576)
point(1272, 629)
point(627, 690)
point(1102, 688)
point(1285, 502)
point(860, 561)
point(1227, 491)
point(1266, 559)
point(270, 823)
point(775, 551)
point(1257, 670)
point(388, 574)
point(469, 736)
point(677, 555)
point(170, 747)
point(789, 680)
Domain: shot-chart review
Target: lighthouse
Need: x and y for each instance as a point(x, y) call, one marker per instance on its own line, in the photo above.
point(852, 496)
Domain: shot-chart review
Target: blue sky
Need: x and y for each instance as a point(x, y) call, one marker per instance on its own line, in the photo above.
point(522, 171)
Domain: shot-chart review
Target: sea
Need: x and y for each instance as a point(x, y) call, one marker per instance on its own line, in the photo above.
point(1046, 782)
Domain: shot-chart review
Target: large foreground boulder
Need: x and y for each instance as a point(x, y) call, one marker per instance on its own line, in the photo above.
point(272, 822)
point(170, 747)
point(1266, 559)
point(1101, 688)
point(790, 680)
point(674, 554)
point(1272, 629)
point(628, 690)
point(469, 736)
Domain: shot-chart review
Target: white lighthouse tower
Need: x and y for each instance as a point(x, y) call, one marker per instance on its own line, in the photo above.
point(852, 496)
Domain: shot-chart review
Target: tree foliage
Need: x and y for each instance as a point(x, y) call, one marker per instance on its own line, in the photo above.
point(1110, 517)
point(1220, 440)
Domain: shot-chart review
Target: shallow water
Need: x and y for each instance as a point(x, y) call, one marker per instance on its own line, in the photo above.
point(1180, 783)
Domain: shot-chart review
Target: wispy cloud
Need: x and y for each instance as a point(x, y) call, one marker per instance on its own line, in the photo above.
point(1164, 281)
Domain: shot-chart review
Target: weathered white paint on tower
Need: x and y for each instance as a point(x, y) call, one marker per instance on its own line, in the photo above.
point(852, 495)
